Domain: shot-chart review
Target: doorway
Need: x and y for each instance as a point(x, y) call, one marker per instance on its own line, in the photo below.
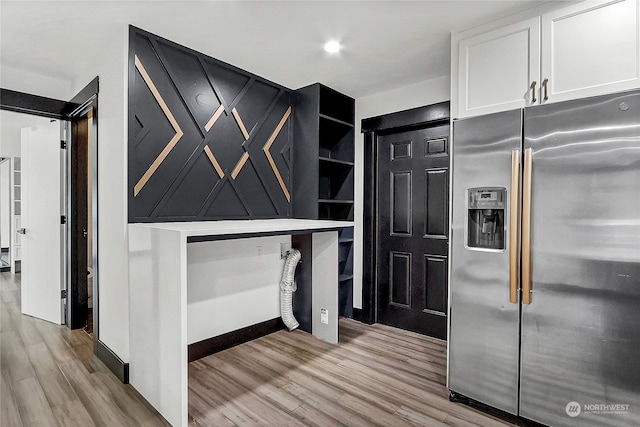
point(76, 143)
point(81, 213)
point(406, 219)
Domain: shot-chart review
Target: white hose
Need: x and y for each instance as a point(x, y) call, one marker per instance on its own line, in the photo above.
point(287, 288)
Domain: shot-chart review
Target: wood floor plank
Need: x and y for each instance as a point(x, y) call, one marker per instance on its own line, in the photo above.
point(73, 414)
point(9, 413)
point(53, 382)
point(311, 416)
point(254, 408)
point(32, 403)
point(101, 408)
point(420, 419)
point(14, 358)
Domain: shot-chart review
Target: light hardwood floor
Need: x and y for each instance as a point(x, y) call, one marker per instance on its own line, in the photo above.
point(50, 376)
point(377, 375)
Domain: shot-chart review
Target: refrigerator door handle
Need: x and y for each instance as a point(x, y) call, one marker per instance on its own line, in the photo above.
point(513, 226)
point(526, 227)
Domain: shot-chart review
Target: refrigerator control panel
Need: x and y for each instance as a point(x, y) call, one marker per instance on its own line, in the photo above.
point(486, 199)
point(485, 218)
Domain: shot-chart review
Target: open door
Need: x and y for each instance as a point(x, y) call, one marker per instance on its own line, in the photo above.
point(43, 234)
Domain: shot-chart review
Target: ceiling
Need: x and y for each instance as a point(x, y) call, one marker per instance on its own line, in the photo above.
point(387, 44)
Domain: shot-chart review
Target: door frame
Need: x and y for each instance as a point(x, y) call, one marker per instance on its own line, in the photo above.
point(415, 118)
point(86, 100)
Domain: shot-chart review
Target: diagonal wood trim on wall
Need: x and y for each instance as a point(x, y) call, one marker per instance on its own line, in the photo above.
point(214, 161)
point(267, 153)
point(172, 143)
point(240, 165)
point(221, 116)
point(243, 129)
point(213, 118)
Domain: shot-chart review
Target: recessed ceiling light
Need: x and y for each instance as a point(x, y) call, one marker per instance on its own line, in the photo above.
point(332, 46)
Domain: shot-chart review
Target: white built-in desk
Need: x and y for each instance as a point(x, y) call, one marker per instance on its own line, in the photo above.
point(158, 297)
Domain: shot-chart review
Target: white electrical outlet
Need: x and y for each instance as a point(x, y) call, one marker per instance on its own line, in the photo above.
point(324, 316)
point(284, 249)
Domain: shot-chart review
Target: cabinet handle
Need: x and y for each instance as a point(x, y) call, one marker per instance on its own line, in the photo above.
point(545, 83)
point(533, 92)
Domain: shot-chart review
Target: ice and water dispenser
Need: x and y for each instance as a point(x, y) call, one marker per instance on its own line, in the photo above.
point(486, 213)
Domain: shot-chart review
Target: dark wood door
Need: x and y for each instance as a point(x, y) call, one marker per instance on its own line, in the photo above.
point(79, 224)
point(412, 237)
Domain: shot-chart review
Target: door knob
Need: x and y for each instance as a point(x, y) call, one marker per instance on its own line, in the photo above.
point(21, 231)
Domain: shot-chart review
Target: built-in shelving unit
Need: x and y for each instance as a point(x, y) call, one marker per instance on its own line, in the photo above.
point(323, 167)
point(323, 155)
point(16, 216)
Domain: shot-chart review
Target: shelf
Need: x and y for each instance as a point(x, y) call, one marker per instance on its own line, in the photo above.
point(344, 277)
point(336, 105)
point(335, 161)
point(337, 121)
point(345, 240)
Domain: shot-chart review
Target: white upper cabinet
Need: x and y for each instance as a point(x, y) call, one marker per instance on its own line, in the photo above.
point(587, 49)
point(590, 49)
point(497, 69)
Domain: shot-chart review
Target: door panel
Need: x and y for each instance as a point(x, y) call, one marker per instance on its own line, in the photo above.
point(413, 189)
point(401, 202)
point(496, 69)
point(42, 203)
point(580, 333)
point(591, 49)
point(484, 328)
point(79, 227)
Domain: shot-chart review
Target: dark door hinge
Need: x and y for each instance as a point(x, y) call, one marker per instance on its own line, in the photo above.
point(63, 294)
point(63, 144)
point(63, 219)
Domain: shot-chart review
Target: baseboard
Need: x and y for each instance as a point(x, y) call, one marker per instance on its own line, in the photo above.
point(359, 315)
point(113, 362)
point(213, 345)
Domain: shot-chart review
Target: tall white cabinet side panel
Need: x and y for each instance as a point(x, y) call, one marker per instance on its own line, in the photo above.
point(324, 279)
point(158, 319)
point(496, 69)
point(590, 49)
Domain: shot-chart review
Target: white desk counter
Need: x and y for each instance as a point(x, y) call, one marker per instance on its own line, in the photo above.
point(158, 297)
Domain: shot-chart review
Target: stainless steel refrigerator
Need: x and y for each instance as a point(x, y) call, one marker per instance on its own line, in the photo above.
point(545, 262)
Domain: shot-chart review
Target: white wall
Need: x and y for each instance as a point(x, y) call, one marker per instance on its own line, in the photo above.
point(416, 95)
point(9, 138)
point(113, 276)
point(232, 284)
point(22, 80)
point(113, 264)
point(5, 203)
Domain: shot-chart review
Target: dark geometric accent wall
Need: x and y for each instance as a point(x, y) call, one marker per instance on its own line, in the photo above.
point(207, 140)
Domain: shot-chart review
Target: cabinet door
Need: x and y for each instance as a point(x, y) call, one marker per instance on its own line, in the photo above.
point(590, 49)
point(496, 69)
